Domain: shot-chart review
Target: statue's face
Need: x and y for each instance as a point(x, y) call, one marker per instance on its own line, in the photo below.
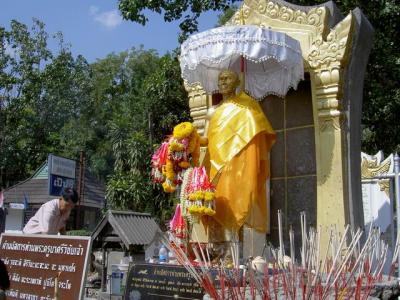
point(227, 82)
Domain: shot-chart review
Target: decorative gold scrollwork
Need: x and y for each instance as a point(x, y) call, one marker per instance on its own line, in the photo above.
point(336, 47)
point(315, 17)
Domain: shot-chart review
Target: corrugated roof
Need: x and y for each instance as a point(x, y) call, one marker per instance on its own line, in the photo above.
point(131, 227)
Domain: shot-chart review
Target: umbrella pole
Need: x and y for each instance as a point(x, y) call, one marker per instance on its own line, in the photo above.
point(242, 73)
point(242, 60)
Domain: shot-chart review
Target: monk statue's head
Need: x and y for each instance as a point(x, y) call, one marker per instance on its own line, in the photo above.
point(228, 81)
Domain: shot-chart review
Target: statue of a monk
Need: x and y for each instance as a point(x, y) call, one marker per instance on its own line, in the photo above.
point(239, 141)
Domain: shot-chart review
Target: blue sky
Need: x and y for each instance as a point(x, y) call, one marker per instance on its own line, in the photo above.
point(94, 28)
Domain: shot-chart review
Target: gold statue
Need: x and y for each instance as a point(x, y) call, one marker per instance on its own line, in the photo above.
point(239, 141)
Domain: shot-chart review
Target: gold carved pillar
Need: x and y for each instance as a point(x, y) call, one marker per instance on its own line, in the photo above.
point(327, 60)
point(199, 102)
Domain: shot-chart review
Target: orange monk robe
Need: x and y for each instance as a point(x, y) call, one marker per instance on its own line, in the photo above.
point(239, 141)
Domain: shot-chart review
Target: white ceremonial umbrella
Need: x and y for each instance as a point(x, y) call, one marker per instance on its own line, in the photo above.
point(273, 60)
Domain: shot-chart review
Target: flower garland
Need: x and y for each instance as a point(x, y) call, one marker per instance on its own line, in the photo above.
point(199, 193)
point(183, 130)
point(184, 196)
point(158, 162)
point(177, 154)
point(177, 224)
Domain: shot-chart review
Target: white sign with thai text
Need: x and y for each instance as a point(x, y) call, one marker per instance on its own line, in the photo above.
point(62, 166)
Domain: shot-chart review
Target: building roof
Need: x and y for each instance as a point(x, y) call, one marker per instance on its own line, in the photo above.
point(128, 227)
point(36, 189)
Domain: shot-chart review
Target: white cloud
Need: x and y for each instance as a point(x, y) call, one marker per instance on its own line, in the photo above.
point(109, 19)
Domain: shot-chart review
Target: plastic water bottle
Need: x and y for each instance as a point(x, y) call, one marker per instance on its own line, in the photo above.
point(163, 254)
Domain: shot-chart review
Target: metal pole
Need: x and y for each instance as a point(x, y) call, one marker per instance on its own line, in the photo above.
point(81, 182)
point(397, 198)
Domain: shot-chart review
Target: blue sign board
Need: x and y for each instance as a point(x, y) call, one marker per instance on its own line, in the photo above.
point(61, 174)
point(57, 183)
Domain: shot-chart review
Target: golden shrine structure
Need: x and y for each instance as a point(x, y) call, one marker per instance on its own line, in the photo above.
point(316, 160)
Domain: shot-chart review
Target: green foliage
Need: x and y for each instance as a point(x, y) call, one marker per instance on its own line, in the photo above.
point(130, 185)
point(165, 96)
point(160, 103)
point(39, 92)
point(187, 12)
point(226, 15)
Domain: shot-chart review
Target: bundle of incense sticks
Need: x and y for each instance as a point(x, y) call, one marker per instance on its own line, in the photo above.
point(347, 269)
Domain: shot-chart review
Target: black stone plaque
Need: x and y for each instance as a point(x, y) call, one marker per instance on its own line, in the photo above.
point(161, 281)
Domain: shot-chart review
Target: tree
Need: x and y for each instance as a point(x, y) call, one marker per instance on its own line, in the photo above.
point(39, 92)
point(160, 102)
point(116, 110)
point(226, 15)
point(189, 10)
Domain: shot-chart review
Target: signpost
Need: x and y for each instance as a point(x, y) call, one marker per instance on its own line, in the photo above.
point(37, 263)
point(61, 174)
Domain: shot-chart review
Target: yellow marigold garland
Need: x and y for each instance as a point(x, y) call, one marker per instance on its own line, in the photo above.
point(208, 196)
point(175, 146)
point(183, 150)
point(168, 186)
point(169, 170)
point(201, 210)
point(183, 130)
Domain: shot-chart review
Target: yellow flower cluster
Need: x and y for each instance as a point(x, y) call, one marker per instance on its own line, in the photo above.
point(174, 146)
point(187, 130)
point(183, 130)
point(168, 171)
point(201, 203)
point(201, 210)
point(209, 196)
point(168, 186)
point(200, 195)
